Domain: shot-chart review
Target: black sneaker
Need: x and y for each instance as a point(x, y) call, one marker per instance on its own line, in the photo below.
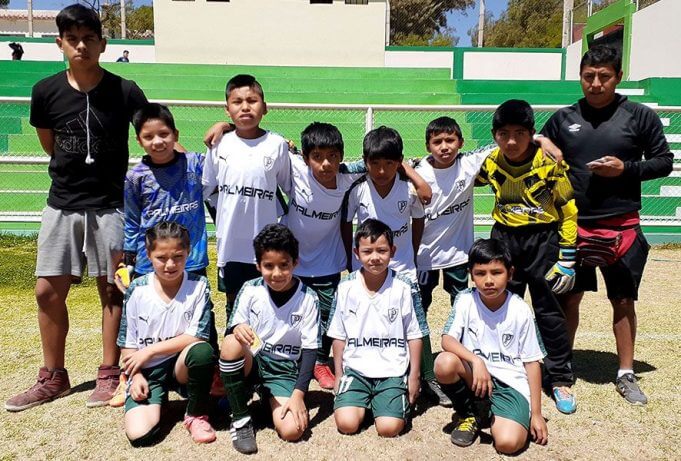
point(627, 386)
point(243, 438)
point(433, 390)
point(465, 432)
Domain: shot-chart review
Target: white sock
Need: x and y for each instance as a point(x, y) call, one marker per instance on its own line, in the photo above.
point(623, 371)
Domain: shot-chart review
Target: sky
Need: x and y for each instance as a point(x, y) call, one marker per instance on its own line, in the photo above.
point(460, 21)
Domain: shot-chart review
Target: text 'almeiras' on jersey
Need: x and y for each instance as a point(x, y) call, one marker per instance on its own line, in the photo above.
point(376, 329)
point(314, 214)
point(147, 319)
point(505, 339)
point(396, 210)
point(448, 230)
point(246, 173)
point(284, 331)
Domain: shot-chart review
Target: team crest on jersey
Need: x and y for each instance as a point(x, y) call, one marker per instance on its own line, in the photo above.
point(307, 195)
point(506, 339)
point(460, 185)
point(401, 205)
point(392, 314)
point(188, 315)
point(295, 319)
point(268, 162)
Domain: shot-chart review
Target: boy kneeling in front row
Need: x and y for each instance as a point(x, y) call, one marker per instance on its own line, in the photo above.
point(491, 353)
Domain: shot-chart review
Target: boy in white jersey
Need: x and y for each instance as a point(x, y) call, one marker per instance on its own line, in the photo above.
point(491, 349)
point(245, 167)
point(167, 320)
point(273, 336)
point(378, 328)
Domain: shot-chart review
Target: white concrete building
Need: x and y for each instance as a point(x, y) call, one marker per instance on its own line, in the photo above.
point(15, 22)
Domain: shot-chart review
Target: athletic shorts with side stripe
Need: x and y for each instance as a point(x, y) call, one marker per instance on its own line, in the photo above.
point(273, 378)
point(383, 396)
point(508, 403)
point(161, 380)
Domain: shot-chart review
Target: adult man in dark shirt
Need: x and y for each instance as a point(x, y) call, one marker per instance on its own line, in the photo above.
point(82, 116)
point(605, 138)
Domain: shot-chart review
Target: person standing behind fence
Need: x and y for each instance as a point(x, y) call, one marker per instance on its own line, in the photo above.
point(605, 138)
point(82, 117)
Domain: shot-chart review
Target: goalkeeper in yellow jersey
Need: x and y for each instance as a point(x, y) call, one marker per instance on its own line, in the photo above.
point(536, 216)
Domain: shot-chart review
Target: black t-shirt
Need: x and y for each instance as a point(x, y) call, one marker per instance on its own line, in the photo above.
point(76, 184)
point(624, 129)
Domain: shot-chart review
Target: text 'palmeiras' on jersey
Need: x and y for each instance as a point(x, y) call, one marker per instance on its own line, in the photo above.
point(314, 214)
point(496, 357)
point(176, 209)
point(247, 191)
point(401, 231)
point(149, 341)
point(287, 349)
point(377, 342)
point(453, 208)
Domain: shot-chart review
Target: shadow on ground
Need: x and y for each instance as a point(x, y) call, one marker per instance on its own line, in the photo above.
point(599, 367)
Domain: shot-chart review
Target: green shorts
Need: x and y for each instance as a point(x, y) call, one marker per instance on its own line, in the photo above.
point(273, 378)
point(384, 396)
point(161, 379)
point(508, 403)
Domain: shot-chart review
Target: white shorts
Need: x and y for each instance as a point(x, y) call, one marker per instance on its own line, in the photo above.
point(70, 239)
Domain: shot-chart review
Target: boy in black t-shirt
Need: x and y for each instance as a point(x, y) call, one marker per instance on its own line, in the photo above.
point(82, 117)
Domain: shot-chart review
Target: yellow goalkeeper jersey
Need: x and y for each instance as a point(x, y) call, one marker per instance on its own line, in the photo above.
point(537, 191)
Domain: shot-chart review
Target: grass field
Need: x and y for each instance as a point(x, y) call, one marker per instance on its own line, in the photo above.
point(604, 427)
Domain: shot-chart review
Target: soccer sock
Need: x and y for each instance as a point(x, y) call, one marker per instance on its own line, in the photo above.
point(232, 374)
point(324, 351)
point(623, 371)
point(427, 361)
point(461, 396)
point(200, 362)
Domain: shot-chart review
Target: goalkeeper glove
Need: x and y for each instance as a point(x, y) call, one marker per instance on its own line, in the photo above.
point(561, 276)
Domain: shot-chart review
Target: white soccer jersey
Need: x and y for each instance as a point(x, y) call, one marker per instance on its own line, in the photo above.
point(284, 331)
point(448, 232)
point(505, 339)
point(314, 218)
point(246, 173)
point(396, 210)
point(147, 319)
point(376, 329)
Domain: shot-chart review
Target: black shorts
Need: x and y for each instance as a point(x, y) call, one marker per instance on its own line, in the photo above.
point(233, 275)
point(622, 278)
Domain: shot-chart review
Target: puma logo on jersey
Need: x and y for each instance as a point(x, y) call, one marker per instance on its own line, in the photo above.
point(574, 128)
point(145, 320)
point(506, 339)
point(363, 205)
point(473, 332)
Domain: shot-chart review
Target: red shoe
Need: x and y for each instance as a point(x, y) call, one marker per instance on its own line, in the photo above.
point(217, 389)
point(108, 378)
point(324, 376)
point(199, 428)
point(50, 385)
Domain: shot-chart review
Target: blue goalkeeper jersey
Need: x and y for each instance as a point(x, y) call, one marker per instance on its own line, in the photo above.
point(169, 192)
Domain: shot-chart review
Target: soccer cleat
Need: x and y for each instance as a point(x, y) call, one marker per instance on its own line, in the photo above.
point(108, 377)
point(199, 428)
point(50, 385)
point(465, 432)
point(243, 438)
point(118, 399)
point(565, 400)
point(324, 376)
point(434, 391)
point(628, 387)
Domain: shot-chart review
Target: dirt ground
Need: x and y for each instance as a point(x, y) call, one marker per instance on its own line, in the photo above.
point(604, 427)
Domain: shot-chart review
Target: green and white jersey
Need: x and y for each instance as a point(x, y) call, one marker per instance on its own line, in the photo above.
point(246, 173)
point(376, 329)
point(284, 331)
point(448, 230)
point(505, 339)
point(396, 210)
point(314, 214)
point(147, 319)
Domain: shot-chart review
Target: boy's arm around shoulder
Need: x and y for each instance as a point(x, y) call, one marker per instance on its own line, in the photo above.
point(423, 189)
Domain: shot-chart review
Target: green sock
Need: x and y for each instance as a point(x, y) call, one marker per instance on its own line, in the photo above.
point(200, 362)
point(427, 361)
point(232, 374)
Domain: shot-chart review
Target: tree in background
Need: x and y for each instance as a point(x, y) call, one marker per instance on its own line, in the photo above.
point(525, 23)
point(423, 22)
point(139, 21)
point(4, 4)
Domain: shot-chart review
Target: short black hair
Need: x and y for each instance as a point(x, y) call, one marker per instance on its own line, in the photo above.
point(167, 230)
point(275, 237)
point(318, 135)
point(242, 80)
point(600, 56)
point(485, 251)
point(443, 125)
point(373, 229)
point(152, 111)
point(78, 15)
point(513, 112)
point(383, 143)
